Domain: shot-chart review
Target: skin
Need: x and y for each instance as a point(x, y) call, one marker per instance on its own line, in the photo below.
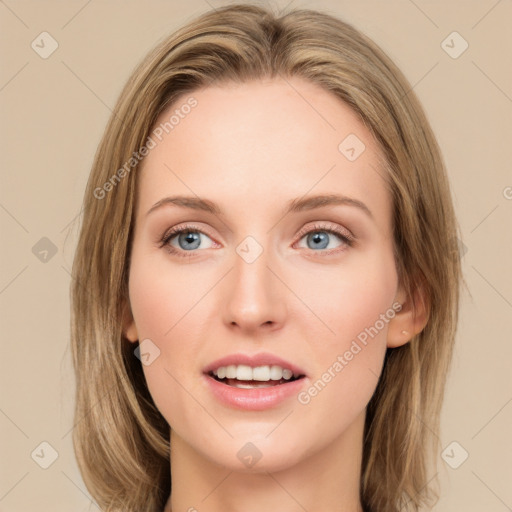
point(251, 148)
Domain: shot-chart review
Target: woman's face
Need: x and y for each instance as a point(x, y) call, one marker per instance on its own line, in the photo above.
point(263, 271)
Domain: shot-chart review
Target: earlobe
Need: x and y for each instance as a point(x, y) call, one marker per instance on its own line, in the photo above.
point(410, 320)
point(129, 327)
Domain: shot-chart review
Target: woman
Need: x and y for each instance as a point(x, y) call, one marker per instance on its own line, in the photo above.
point(267, 283)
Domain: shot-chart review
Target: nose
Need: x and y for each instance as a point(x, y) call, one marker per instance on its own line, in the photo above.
point(254, 298)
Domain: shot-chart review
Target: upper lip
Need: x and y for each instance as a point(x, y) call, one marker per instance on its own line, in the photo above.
point(253, 360)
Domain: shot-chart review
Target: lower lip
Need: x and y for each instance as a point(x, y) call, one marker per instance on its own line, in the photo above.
point(256, 399)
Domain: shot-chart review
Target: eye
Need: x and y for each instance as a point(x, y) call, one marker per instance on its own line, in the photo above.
point(185, 239)
point(322, 237)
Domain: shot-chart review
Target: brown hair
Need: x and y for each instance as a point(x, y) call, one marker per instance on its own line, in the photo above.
point(121, 440)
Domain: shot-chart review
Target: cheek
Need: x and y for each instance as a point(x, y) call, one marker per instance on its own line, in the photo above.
point(167, 311)
point(350, 343)
point(351, 299)
point(159, 298)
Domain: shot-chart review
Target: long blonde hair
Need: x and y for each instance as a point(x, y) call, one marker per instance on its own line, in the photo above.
point(120, 438)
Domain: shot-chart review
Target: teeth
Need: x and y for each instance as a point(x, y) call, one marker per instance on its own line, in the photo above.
point(287, 374)
point(275, 372)
point(243, 372)
point(259, 373)
point(230, 371)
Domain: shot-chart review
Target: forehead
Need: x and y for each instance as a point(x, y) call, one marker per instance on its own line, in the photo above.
point(284, 137)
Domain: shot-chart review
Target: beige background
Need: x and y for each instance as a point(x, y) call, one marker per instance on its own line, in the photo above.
point(53, 113)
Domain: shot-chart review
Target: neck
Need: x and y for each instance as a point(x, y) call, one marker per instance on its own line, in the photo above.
point(327, 480)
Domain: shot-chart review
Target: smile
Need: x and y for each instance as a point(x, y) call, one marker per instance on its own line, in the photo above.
point(247, 377)
point(253, 382)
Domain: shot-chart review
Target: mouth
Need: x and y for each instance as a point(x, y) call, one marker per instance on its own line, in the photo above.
point(248, 377)
point(253, 382)
point(254, 371)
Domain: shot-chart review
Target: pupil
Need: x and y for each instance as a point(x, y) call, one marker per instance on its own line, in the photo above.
point(320, 239)
point(190, 238)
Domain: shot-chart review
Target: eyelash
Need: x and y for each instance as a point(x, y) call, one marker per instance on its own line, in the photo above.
point(345, 237)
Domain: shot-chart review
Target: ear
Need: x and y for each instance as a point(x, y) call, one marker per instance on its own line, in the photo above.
point(129, 327)
point(411, 319)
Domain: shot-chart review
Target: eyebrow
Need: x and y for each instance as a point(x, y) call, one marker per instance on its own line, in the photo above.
point(293, 206)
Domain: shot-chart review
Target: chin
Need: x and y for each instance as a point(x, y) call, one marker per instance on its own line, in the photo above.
point(257, 454)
